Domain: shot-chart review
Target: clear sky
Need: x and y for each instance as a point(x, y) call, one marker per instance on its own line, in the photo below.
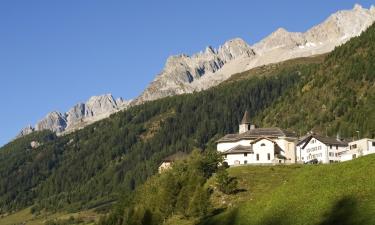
point(54, 54)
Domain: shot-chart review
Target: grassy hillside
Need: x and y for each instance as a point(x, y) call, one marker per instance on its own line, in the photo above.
point(318, 194)
point(26, 217)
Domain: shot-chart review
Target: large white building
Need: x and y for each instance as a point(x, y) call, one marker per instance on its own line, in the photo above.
point(358, 148)
point(319, 149)
point(258, 145)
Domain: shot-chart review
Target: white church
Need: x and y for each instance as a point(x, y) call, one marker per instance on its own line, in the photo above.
point(258, 145)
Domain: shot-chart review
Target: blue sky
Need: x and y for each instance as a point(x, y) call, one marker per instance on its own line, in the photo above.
point(54, 54)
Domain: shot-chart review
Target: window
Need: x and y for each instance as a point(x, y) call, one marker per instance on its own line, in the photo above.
point(268, 156)
point(262, 144)
point(248, 127)
point(373, 143)
point(331, 154)
point(302, 158)
point(353, 146)
point(225, 156)
point(245, 162)
point(337, 147)
point(257, 157)
point(245, 154)
point(354, 156)
point(330, 146)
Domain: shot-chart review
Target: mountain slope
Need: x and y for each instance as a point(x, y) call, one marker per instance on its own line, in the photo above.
point(341, 90)
point(185, 74)
point(92, 166)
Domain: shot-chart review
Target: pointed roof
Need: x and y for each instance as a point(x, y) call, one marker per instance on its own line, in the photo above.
point(246, 118)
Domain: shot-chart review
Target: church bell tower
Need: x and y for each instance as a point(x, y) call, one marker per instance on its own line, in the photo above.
point(245, 124)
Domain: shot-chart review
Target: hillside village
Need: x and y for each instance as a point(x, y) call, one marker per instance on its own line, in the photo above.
point(272, 146)
point(253, 145)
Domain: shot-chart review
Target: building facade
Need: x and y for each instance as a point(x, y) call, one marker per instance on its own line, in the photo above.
point(358, 148)
point(319, 149)
point(258, 145)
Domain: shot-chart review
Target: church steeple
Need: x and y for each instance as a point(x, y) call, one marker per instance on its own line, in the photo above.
point(245, 124)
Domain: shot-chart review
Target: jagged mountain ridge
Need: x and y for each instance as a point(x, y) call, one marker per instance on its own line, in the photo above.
point(96, 108)
point(185, 74)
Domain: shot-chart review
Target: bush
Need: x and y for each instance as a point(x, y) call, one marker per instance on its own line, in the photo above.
point(225, 183)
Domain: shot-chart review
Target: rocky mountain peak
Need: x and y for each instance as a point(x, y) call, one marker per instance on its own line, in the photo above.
point(235, 48)
point(96, 108)
point(54, 121)
point(183, 73)
point(357, 7)
point(280, 38)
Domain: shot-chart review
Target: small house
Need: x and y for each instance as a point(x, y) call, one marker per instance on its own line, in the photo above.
point(168, 161)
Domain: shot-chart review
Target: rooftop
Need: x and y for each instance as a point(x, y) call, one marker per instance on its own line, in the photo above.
point(324, 140)
point(239, 149)
point(258, 132)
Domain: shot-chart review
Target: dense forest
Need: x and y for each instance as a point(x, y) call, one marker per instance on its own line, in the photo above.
point(338, 98)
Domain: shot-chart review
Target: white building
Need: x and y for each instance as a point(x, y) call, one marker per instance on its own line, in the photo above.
point(358, 148)
point(320, 149)
point(258, 145)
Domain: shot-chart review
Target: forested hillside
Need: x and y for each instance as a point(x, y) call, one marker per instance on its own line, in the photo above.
point(339, 97)
point(94, 166)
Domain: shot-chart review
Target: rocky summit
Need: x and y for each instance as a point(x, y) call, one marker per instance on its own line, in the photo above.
point(80, 115)
point(186, 74)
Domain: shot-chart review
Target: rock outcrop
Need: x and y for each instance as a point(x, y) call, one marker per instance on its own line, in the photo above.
point(80, 115)
point(181, 73)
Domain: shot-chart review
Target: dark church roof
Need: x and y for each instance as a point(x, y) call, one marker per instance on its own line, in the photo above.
point(239, 149)
point(324, 140)
point(246, 118)
point(258, 132)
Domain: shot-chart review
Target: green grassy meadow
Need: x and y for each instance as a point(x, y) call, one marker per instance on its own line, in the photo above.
point(341, 193)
